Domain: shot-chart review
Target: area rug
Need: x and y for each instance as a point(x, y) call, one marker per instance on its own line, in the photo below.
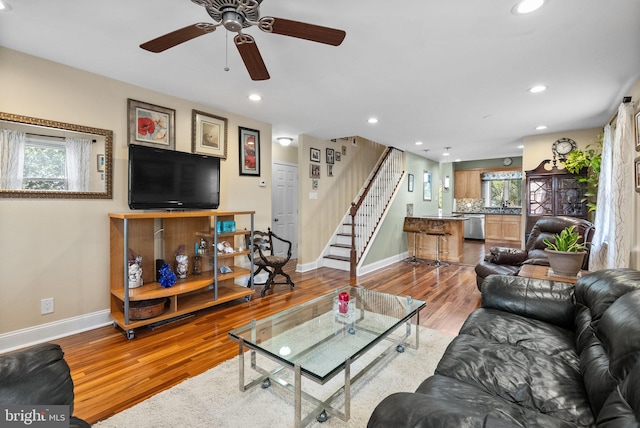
point(213, 399)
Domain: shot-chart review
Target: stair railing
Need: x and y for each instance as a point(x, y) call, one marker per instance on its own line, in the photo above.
point(368, 210)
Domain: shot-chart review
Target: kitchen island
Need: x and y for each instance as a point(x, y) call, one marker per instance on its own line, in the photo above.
point(423, 232)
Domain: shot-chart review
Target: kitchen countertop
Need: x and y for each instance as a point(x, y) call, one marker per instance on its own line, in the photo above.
point(454, 217)
point(496, 211)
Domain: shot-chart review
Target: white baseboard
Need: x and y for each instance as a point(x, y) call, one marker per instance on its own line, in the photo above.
point(307, 267)
point(381, 263)
point(47, 332)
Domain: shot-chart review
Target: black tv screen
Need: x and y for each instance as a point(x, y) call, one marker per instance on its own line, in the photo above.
point(171, 180)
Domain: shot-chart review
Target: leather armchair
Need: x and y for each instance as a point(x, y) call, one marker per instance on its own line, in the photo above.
point(508, 261)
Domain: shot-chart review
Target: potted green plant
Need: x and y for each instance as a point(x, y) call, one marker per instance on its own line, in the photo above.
point(565, 253)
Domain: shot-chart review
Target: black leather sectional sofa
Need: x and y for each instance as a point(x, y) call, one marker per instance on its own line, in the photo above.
point(536, 354)
point(37, 376)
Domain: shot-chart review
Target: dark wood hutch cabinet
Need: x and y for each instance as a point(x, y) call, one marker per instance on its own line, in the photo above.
point(553, 192)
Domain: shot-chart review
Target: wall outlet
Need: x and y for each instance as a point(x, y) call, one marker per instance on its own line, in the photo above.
point(46, 306)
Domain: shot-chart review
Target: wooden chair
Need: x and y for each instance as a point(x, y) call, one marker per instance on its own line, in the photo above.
point(264, 258)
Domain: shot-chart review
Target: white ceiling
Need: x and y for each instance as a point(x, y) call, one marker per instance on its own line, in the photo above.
point(448, 73)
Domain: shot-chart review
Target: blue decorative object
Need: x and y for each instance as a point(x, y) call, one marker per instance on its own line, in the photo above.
point(167, 277)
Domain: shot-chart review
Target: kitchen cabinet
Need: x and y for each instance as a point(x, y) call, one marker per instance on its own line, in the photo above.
point(502, 227)
point(467, 184)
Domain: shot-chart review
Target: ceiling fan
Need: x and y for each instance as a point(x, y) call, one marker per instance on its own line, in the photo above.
point(235, 15)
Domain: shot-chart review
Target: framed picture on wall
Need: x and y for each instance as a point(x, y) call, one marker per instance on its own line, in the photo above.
point(330, 156)
point(249, 149)
point(410, 181)
point(314, 155)
point(636, 175)
point(314, 171)
point(637, 122)
point(427, 186)
point(100, 163)
point(151, 125)
point(208, 134)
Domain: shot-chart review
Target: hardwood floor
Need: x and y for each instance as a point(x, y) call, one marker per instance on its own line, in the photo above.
point(112, 373)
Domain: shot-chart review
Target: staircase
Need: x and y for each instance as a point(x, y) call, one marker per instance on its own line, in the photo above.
point(358, 227)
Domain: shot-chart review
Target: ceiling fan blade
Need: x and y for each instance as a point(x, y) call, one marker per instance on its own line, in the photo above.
point(174, 38)
point(251, 56)
point(302, 30)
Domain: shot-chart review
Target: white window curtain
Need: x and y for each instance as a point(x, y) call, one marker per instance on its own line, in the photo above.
point(611, 244)
point(78, 160)
point(11, 159)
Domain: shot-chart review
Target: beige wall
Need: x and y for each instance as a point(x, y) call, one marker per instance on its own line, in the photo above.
point(318, 218)
point(60, 248)
point(538, 147)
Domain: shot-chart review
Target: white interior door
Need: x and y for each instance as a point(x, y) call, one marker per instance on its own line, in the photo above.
point(285, 205)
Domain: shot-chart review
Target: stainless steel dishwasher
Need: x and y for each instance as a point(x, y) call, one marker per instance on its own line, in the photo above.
point(474, 226)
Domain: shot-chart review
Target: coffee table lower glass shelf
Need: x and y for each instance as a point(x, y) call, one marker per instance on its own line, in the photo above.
point(321, 338)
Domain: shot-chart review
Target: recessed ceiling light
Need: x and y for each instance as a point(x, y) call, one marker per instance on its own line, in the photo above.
point(284, 141)
point(418, 143)
point(5, 6)
point(541, 127)
point(255, 97)
point(372, 120)
point(537, 88)
point(526, 6)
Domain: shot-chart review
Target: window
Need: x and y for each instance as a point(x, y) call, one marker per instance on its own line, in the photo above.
point(502, 189)
point(44, 166)
point(504, 193)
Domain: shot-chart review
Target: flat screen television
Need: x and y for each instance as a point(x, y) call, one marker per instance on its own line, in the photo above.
point(161, 179)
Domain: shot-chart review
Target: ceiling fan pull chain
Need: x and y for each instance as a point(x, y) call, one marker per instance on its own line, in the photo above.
point(226, 51)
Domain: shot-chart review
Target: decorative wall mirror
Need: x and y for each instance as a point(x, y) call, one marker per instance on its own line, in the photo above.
point(41, 158)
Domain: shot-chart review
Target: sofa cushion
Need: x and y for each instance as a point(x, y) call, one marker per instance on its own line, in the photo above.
point(504, 327)
point(444, 402)
point(538, 299)
point(38, 375)
point(533, 380)
point(622, 408)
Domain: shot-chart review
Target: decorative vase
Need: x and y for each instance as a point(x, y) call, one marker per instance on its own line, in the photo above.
point(565, 263)
point(182, 265)
point(135, 273)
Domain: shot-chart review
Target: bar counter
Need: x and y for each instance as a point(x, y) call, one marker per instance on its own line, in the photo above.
point(425, 230)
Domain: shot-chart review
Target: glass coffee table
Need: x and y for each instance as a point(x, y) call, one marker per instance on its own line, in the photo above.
point(321, 338)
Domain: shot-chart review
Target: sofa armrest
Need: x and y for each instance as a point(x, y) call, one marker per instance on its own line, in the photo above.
point(541, 299)
point(506, 256)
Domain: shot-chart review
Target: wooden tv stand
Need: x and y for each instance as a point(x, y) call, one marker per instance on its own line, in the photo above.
point(157, 235)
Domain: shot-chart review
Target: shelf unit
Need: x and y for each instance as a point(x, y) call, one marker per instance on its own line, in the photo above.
point(157, 235)
point(553, 192)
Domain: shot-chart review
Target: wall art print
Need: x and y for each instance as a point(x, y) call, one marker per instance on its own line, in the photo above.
point(208, 134)
point(151, 125)
point(249, 149)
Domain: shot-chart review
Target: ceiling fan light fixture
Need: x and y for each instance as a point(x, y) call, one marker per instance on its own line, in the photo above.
point(284, 141)
point(527, 6)
point(232, 21)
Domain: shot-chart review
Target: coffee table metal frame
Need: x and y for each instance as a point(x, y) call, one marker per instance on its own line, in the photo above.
point(397, 344)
